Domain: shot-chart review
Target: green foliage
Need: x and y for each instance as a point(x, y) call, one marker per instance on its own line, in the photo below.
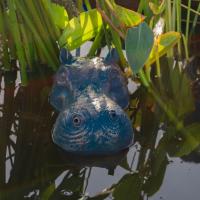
point(157, 8)
point(81, 29)
point(58, 13)
point(31, 32)
point(190, 140)
point(155, 181)
point(138, 43)
point(127, 17)
point(129, 187)
point(162, 45)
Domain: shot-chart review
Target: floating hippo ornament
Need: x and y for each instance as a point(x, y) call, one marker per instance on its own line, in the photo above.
point(90, 95)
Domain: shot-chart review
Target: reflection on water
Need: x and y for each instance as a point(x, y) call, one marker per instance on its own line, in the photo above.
point(32, 167)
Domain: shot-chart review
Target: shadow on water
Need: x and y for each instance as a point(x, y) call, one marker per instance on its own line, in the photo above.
point(32, 167)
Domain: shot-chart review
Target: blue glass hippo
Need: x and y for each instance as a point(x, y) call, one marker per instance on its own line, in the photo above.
point(90, 95)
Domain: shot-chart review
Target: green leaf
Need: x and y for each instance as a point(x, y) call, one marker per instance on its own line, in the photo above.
point(157, 9)
point(100, 196)
point(59, 14)
point(138, 44)
point(81, 29)
point(48, 192)
point(155, 181)
point(190, 141)
point(182, 95)
point(162, 45)
point(127, 17)
point(129, 188)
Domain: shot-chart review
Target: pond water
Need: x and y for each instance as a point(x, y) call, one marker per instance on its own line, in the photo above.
point(32, 167)
point(36, 169)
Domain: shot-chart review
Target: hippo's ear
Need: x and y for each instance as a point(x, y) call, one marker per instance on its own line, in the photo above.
point(62, 94)
point(66, 57)
point(60, 97)
point(112, 57)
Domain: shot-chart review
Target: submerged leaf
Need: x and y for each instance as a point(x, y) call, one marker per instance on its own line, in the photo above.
point(138, 44)
point(81, 29)
point(155, 181)
point(129, 188)
point(183, 101)
point(190, 141)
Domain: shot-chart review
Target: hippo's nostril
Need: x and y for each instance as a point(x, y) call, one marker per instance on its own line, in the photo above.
point(113, 114)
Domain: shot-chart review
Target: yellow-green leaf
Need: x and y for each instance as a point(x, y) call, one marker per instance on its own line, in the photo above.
point(127, 17)
point(60, 15)
point(81, 29)
point(157, 9)
point(162, 45)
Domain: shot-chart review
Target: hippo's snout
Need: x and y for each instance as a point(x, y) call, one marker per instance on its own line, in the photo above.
point(93, 125)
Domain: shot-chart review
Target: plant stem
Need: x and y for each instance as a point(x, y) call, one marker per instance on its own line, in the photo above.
point(96, 43)
point(87, 3)
point(158, 67)
point(5, 56)
point(144, 79)
point(188, 22)
point(195, 20)
point(185, 47)
point(44, 47)
point(18, 42)
point(178, 19)
point(161, 103)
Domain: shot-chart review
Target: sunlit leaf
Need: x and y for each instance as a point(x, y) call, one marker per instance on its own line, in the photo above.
point(81, 29)
point(127, 17)
point(157, 9)
point(162, 45)
point(59, 14)
point(129, 188)
point(138, 44)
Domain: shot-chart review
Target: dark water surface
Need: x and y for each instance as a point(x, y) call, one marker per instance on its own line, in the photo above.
point(32, 167)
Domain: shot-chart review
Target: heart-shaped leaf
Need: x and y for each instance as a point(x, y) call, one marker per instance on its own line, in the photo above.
point(81, 29)
point(138, 44)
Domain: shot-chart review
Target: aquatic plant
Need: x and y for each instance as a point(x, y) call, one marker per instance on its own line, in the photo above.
point(30, 30)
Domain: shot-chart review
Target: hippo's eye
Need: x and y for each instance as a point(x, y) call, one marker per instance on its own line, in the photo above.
point(77, 120)
point(113, 114)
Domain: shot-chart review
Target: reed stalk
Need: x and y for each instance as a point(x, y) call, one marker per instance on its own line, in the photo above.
point(5, 61)
point(17, 39)
point(188, 22)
